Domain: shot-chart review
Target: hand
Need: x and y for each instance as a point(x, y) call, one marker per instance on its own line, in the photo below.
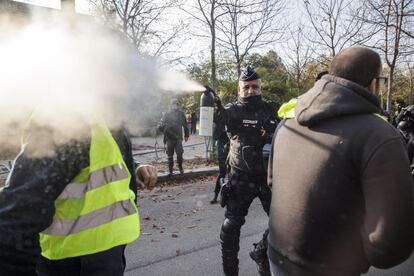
point(209, 89)
point(217, 102)
point(186, 138)
point(147, 176)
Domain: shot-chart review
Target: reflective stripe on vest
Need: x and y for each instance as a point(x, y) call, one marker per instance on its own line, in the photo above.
point(96, 210)
point(287, 110)
point(64, 227)
point(96, 180)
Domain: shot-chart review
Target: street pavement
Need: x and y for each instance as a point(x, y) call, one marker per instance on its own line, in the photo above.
point(180, 235)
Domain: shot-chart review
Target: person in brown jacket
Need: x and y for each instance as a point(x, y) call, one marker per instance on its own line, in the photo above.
point(342, 193)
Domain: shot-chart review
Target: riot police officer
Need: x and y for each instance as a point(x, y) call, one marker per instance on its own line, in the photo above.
point(250, 123)
point(172, 124)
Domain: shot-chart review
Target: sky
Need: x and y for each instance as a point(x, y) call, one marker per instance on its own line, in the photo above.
point(192, 48)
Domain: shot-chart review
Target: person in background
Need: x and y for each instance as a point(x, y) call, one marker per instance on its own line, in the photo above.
point(222, 146)
point(399, 104)
point(188, 118)
point(342, 192)
point(172, 124)
point(194, 120)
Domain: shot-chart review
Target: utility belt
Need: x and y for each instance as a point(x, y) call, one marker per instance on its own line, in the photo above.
point(235, 176)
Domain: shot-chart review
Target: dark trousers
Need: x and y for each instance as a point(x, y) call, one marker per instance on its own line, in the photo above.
point(19, 254)
point(222, 152)
point(107, 263)
point(244, 189)
point(177, 147)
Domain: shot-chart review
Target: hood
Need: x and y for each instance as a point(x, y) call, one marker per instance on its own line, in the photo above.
point(333, 97)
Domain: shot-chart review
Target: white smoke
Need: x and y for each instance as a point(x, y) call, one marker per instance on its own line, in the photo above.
point(63, 70)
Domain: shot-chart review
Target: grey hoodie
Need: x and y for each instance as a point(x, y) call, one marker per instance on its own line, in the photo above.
point(342, 197)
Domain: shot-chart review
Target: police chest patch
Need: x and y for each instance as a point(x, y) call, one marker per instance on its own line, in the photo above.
point(251, 122)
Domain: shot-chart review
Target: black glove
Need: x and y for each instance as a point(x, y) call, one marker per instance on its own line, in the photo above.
point(217, 100)
point(209, 89)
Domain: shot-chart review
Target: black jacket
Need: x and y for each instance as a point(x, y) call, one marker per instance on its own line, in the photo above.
point(27, 200)
point(172, 124)
point(249, 129)
point(342, 197)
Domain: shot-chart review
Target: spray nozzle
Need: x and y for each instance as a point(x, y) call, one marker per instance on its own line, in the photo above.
point(208, 90)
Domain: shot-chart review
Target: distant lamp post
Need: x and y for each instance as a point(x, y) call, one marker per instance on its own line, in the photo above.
point(381, 81)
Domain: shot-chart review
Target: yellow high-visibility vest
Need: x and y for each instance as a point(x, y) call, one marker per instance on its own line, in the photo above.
point(287, 110)
point(96, 210)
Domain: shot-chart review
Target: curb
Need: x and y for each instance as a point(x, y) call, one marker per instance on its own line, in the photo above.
point(188, 174)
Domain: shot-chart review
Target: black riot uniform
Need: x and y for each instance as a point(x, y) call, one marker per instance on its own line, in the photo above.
point(222, 148)
point(172, 124)
point(405, 125)
point(250, 124)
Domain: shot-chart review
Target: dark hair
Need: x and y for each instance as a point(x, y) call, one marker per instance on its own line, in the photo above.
point(357, 64)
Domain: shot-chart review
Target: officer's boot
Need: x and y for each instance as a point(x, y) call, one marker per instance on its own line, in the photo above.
point(170, 166)
point(180, 164)
point(214, 200)
point(259, 255)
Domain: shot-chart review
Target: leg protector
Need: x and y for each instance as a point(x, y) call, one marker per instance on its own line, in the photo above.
point(170, 164)
point(180, 164)
point(230, 236)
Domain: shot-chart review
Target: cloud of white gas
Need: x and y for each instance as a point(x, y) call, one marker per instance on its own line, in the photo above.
point(63, 70)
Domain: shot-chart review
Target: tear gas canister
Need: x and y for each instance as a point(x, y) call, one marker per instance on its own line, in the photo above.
point(206, 113)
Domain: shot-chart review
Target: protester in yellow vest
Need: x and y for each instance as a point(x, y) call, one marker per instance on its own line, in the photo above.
point(80, 196)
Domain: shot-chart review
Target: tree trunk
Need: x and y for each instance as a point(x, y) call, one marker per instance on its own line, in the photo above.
point(238, 61)
point(389, 88)
point(213, 49)
point(410, 96)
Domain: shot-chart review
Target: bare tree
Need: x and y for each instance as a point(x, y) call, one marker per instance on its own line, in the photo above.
point(248, 25)
point(298, 56)
point(392, 18)
point(335, 25)
point(410, 76)
point(208, 12)
point(140, 20)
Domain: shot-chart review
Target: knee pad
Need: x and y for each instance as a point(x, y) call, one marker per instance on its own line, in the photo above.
point(230, 226)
